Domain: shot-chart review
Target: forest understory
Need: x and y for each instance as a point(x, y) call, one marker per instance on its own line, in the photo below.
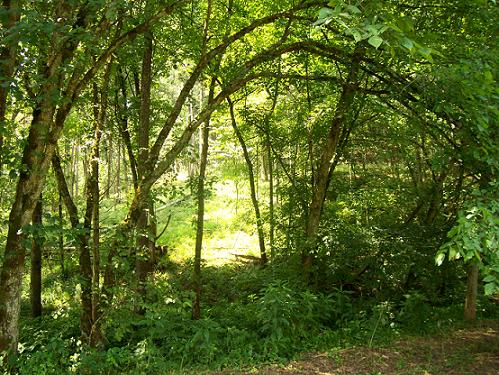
point(472, 350)
point(224, 186)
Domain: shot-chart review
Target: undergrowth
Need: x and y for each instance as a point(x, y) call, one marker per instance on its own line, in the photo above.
point(251, 316)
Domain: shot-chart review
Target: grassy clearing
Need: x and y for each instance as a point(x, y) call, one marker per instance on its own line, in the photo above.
point(229, 226)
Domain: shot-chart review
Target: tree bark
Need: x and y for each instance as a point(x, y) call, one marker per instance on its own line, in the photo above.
point(322, 172)
point(271, 194)
point(196, 306)
point(471, 292)
point(125, 133)
point(61, 238)
point(91, 220)
point(270, 169)
point(28, 190)
point(36, 261)
point(145, 224)
point(109, 164)
point(8, 55)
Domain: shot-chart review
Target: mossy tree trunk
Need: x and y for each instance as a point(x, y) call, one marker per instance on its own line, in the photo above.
point(36, 261)
point(8, 56)
point(323, 171)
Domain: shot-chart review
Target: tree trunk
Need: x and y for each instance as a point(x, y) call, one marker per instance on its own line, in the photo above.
point(76, 174)
point(196, 307)
point(145, 240)
point(8, 55)
point(109, 164)
point(90, 266)
point(125, 133)
point(117, 187)
point(36, 261)
point(251, 176)
point(271, 195)
point(70, 169)
point(100, 102)
point(84, 257)
point(471, 292)
point(28, 190)
point(270, 168)
point(321, 179)
point(61, 238)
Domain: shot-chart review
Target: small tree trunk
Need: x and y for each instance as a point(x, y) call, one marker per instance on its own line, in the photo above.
point(61, 238)
point(270, 168)
point(196, 307)
point(471, 292)
point(70, 169)
point(145, 240)
point(76, 170)
point(251, 175)
point(117, 188)
point(36, 261)
point(109, 164)
point(271, 195)
point(93, 198)
point(125, 133)
point(85, 259)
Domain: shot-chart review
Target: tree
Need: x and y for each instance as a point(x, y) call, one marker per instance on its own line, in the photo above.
point(36, 261)
point(8, 56)
point(251, 177)
point(64, 76)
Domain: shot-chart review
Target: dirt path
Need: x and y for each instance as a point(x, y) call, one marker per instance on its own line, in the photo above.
point(468, 351)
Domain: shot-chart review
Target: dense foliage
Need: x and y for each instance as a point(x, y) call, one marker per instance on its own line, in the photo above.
point(196, 185)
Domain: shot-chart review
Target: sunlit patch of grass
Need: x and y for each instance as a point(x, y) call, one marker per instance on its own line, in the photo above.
point(221, 250)
point(228, 227)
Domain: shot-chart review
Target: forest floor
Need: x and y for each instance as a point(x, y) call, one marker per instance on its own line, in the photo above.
point(474, 350)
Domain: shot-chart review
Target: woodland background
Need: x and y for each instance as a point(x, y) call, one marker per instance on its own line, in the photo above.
point(222, 183)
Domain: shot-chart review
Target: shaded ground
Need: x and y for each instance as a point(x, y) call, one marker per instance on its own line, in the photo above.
point(474, 350)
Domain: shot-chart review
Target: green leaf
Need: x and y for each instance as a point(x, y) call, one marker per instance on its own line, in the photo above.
point(407, 43)
point(490, 289)
point(439, 259)
point(374, 29)
point(353, 9)
point(489, 278)
point(453, 254)
point(325, 13)
point(355, 33)
point(375, 41)
point(324, 16)
point(426, 53)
